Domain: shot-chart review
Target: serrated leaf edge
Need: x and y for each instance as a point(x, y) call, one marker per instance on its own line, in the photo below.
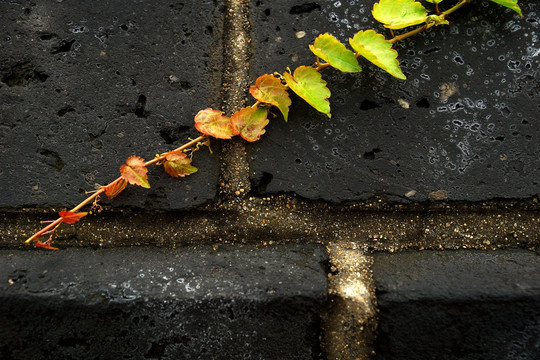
point(256, 87)
point(142, 180)
point(241, 131)
point(398, 26)
point(376, 61)
point(291, 78)
point(204, 129)
point(168, 168)
point(345, 61)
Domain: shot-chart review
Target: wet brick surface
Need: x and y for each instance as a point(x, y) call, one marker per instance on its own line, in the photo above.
point(225, 302)
point(85, 85)
point(461, 127)
point(458, 305)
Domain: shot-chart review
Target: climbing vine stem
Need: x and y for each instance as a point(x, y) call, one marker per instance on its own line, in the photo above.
point(272, 90)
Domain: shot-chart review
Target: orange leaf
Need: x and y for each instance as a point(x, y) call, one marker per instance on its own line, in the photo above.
point(250, 122)
point(45, 245)
point(269, 89)
point(213, 123)
point(135, 172)
point(70, 217)
point(177, 164)
point(114, 188)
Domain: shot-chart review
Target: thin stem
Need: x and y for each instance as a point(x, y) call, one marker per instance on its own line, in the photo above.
point(428, 25)
point(181, 148)
point(43, 231)
point(410, 33)
point(59, 221)
point(54, 224)
point(455, 7)
point(92, 197)
point(321, 66)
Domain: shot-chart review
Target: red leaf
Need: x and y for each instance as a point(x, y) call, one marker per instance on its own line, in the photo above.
point(250, 122)
point(135, 172)
point(70, 217)
point(213, 123)
point(45, 245)
point(114, 188)
point(177, 164)
point(269, 89)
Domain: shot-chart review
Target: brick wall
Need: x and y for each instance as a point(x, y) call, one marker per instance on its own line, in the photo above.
point(298, 240)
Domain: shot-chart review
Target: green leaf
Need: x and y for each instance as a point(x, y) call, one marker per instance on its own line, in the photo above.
point(511, 4)
point(135, 171)
point(335, 53)
point(307, 83)
point(269, 89)
point(213, 123)
point(375, 48)
point(250, 122)
point(178, 164)
point(433, 1)
point(398, 14)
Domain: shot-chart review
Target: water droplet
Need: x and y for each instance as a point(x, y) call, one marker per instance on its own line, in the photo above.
point(332, 17)
point(515, 28)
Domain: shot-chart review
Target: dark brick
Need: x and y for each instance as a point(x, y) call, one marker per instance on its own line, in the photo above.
point(85, 85)
point(222, 302)
point(404, 140)
point(458, 305)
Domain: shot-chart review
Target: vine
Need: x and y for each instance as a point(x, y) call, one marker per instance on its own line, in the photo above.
point(272, 90)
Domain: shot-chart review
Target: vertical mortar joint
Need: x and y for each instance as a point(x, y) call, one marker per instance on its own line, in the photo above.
point(235, 181)
point(350, 322)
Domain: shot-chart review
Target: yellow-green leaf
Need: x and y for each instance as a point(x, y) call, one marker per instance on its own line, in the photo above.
point(375, 48)
point(213, 123)
point(269, 89)
point(335, 53)
point(398, 14)
point(178, 164)
point(307, 83)
point(250, 122)
point(511, 4)
point(433, 1)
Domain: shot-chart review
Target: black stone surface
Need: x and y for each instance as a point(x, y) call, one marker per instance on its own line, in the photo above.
point(226, 302)
point(84, 85)
point(458, 305)
point(462, 127)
